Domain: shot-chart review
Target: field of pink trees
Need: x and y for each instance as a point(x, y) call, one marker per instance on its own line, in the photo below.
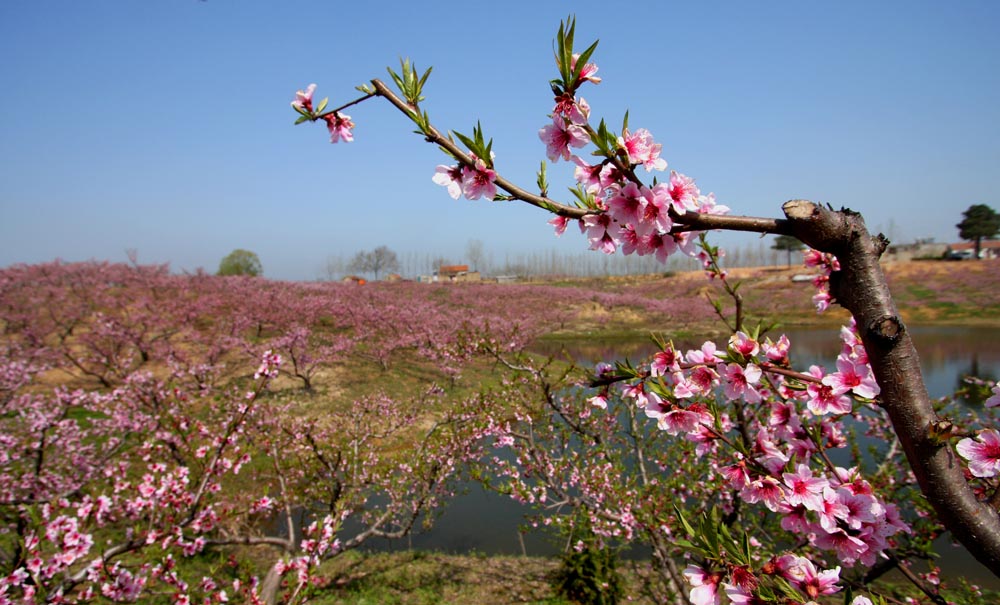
point(181, 437)
point(148, 419)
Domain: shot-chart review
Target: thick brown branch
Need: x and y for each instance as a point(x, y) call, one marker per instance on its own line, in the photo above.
point(860, 286)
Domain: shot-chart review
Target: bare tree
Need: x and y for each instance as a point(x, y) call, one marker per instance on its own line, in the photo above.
point(374, 261)
point(474, 252)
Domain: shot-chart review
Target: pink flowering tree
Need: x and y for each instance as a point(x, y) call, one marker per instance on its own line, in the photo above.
point(762, 428)
point(131, 488)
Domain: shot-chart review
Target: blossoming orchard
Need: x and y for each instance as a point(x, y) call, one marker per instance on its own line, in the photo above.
point(786, 508)
point(207, 439)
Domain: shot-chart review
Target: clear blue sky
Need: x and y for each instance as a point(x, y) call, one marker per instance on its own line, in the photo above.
point(164, 125)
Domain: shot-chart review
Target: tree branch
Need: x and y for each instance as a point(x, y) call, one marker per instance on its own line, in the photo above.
point(861, 287)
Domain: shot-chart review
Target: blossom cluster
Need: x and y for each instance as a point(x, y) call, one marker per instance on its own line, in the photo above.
point(628, 215)
point(784, 468)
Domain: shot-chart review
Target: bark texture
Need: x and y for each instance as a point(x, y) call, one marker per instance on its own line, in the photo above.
point(861, 288)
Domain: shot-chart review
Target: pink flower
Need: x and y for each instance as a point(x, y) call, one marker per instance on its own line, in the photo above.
point(763, 489)
point(852, 376)
point(706, 585)
point(812, 582)
point(683, 192)
point(642, 150)
point(340, 126)
point(587, 73)
point(667, 360)
point(848, 548)
point(706, 204)
point(662, 245)
point(994, 401)
point(656, 214)
point(805, 489)
point(478, 181)
point(823, 398)
point(559, 223)
point(450, 177)
point(575, 109)
point(741, 343)
point(983, 453)
point(740, 381)
point(304, 98)
point(626, 205)
point(599, 232)
point(560, 136)
point(587, 175)
point(777, 352)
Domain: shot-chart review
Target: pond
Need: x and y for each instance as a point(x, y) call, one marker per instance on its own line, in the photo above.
point(483, 522)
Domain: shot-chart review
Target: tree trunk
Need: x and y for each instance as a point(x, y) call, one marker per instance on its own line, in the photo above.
point(861, 288)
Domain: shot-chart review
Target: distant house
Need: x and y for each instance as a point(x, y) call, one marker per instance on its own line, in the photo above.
point(394, 277)
point(457, 273)
point(922, 248)
point(989, 248)
point(354, 279)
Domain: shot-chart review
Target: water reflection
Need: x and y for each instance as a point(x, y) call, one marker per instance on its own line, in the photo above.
point(491, 524)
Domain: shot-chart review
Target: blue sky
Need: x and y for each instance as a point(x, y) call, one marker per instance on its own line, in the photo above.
point(164, 125)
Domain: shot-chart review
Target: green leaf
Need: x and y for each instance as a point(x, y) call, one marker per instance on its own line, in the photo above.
point(542, 181)
point(471, 144)
point(687, 526)
point(322, 105)
point(581, 62)
point(302, 119)
point(423, 79)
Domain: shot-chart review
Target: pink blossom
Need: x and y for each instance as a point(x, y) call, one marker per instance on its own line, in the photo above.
point(642, 150)
point(478, 181)
point(627, 204)
point(610, 176)
point(665, 360)
point(823, 399)
point(741, 343)
point(303, 98)
point(683, 192)
point(763, 489)
point(994, 401)
point(777, 352)
point(706, 585)
point(600, 232)
point(660, 245)
point(848, 548)
point(655, 215)
point(587, 175)
point(852, 376)
point(575, 109)
point(679, 420)
point(560, 136)
point(599, 401)
point(587, 73)
point(450, 177)
point(983, 453)
point(631, 242)
point(812, 582)
point(706, 204)
point(340, 126)
point(740, 382)
point(805, 489)
point(559, 223)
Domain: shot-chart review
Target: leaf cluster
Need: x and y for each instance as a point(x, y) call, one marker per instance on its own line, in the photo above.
point(478, 145)
point(569, 73)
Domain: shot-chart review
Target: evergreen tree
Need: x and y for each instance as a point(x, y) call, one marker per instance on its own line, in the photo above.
point(979, 222)
point(789, 244)
point(240, 262)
